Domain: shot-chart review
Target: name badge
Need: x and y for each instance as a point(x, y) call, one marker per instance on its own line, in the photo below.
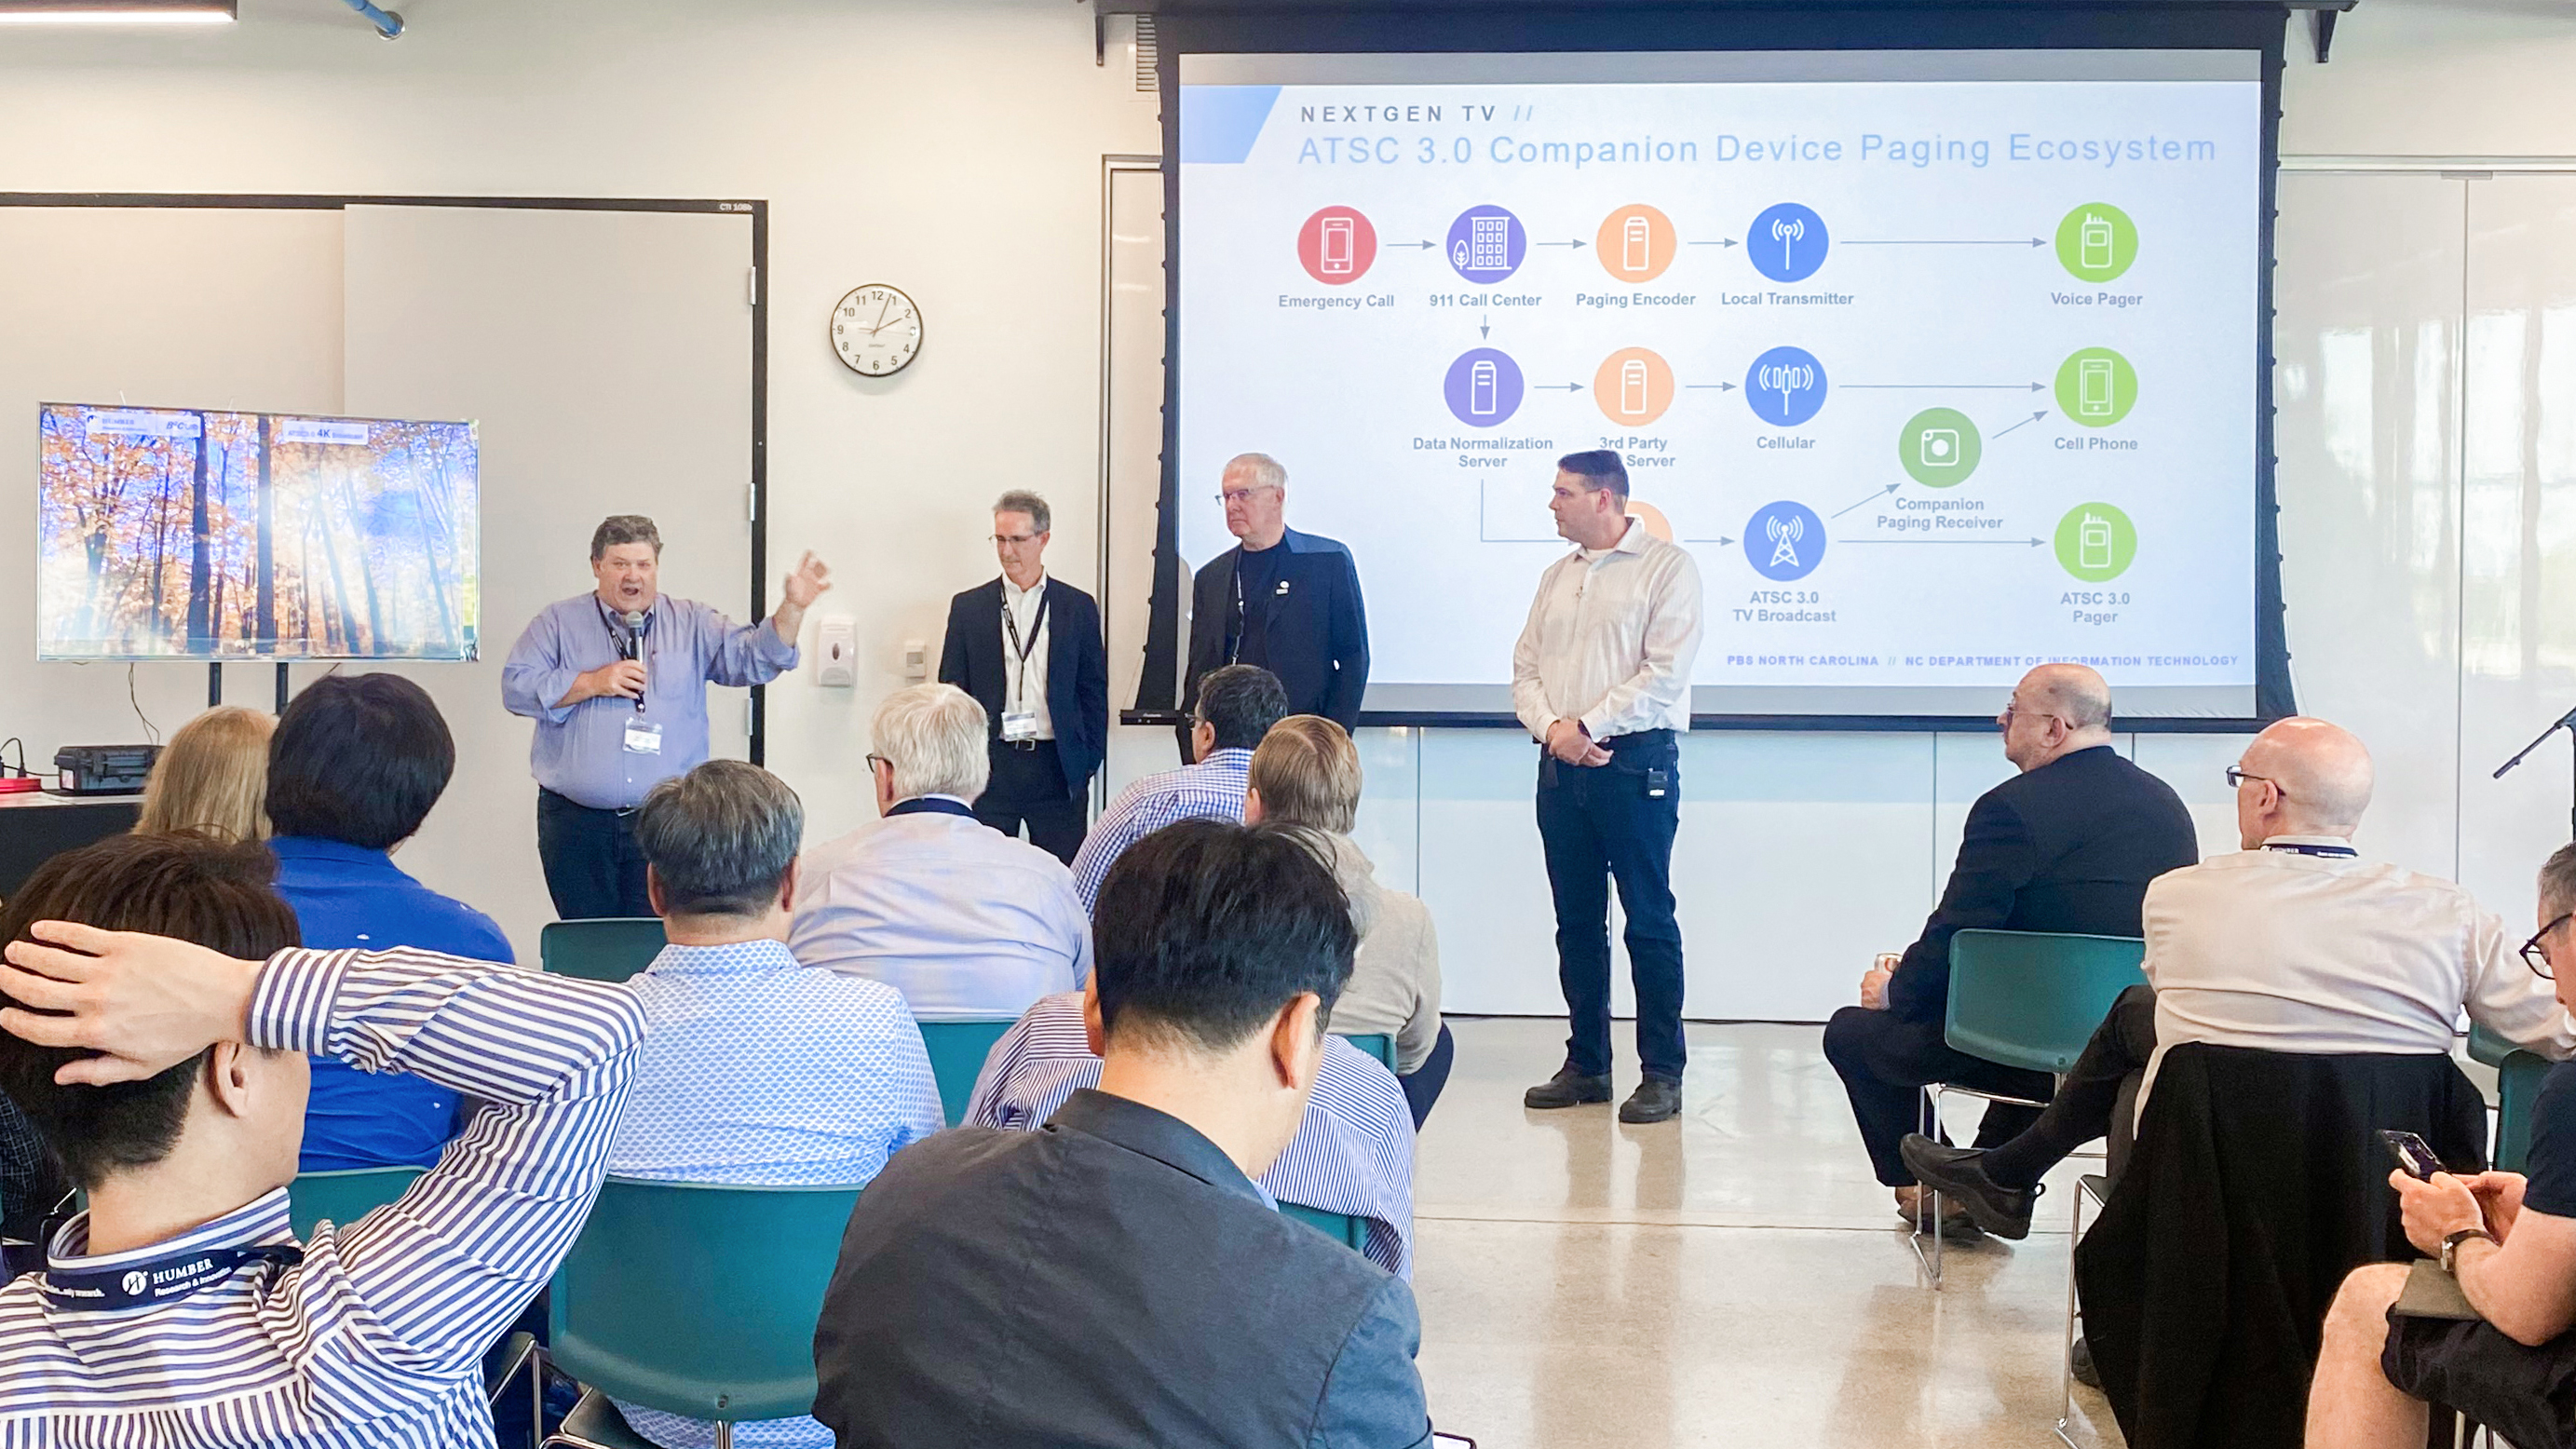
point(1281, 591)
point(643, 737)
point(1018, 725)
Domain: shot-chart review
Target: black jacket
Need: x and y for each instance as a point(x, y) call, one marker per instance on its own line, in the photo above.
point(2067, 847)
point(1317, 640)
point(1111, 1279)
point(975, 659)
point(2257, 1183)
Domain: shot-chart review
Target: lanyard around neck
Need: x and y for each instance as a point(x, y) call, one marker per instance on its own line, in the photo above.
point(1011, 623)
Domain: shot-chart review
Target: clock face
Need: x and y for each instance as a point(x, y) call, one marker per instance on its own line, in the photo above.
point(877, 330)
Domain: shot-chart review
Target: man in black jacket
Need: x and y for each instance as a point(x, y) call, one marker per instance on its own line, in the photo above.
point(1114, 1278)
point(1028, 648)
point(1287, 601)
point(2069, 845)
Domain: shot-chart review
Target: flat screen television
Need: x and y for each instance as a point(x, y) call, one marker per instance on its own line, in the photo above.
point(190, 533)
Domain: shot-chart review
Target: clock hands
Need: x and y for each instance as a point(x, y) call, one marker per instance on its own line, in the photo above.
point(882, 305)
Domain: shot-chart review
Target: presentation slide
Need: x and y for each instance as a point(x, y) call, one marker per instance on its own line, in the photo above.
point(1942, 364)
point(175, 532)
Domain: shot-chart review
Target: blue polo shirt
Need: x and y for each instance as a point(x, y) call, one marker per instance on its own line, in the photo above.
point(347, 895)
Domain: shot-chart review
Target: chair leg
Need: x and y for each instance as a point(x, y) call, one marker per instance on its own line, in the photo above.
point(1927, 1203)
point(2066, 1352)
point(724, 1435)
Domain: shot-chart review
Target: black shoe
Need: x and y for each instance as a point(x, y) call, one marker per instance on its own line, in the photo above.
point(2080, 1363)
point(1568, 1088)
point(1656, 1099)
point(1956, 1174)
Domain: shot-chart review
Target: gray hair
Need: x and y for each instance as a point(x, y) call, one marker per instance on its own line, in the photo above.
point(720, 838)
point(1021, 500)
point(1263, 469)
point(619, 528)
point(2558, 882)
point(933, 735)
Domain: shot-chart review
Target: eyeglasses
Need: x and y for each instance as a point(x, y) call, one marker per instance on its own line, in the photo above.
point(2536, 958)
point(2011, 710)
point(876, 760)
point(1240, 495)
point(2236, 777)
point(1015, 538)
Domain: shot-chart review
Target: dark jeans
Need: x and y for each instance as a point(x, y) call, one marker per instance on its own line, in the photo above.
point(594, 868)
point(1599, 825)
point(1422, 1086)
point(1886, 1061)
point(2098, 1098)
point(1029, 785)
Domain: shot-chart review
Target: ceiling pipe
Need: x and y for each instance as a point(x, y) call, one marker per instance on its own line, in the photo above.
point(388, 23)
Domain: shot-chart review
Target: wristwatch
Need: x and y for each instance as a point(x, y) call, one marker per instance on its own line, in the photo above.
point(2451, 1246)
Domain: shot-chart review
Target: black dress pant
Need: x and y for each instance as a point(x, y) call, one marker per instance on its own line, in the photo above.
point(1028, 786)
point(593, 866)
point(2098, 1098)
point(1886, 1061)
point(1599, 825)
point(1422, 1085)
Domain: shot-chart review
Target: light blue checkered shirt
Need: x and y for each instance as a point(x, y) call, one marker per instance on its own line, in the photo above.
point(763, 1072)
point(1214, 787)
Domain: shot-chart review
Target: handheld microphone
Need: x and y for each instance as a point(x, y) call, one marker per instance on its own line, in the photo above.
point(638, 624)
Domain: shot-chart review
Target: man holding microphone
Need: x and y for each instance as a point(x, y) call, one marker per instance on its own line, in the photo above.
point(616, 680)
point(1601, 676)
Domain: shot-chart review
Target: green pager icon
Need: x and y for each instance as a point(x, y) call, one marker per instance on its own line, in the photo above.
point(2096, 542)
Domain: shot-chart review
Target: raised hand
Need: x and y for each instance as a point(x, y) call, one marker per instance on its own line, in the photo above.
point(143, 1003)
point(809, 581)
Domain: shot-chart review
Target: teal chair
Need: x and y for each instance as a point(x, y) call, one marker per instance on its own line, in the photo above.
point(2518, 1078)
point(611, 949)
point(696, 1299)
point(1351, 1232)
point(343, 1197)
point(2028, 999)
point(1377, 1044)
point(957, 1052)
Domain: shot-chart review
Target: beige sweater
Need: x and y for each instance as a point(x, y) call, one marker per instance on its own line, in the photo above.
point(1395, 982)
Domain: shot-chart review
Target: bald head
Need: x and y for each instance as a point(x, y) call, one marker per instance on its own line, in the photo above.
point(2071, 692)
point(2322, 771)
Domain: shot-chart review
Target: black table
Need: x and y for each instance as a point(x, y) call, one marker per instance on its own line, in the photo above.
point(36, 827)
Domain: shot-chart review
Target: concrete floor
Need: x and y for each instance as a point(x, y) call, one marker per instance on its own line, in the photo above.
point(1731, 1277)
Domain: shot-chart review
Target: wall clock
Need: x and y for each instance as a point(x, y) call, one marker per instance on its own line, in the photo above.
point(876, 329)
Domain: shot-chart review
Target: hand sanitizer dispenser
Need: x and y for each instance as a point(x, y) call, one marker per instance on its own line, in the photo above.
point(836, 647)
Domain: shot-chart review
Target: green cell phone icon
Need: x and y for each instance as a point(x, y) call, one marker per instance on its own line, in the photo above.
point(2096, 387)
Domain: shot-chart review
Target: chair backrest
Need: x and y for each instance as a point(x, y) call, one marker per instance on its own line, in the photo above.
point(2485, 1046)
point(699, 1299)
point(957, 1052)
point(2518, 1079)
point(2031, 999)
point(1377, 1044)
point(1343, 1228)
point(610, 949)
point(343, 1197)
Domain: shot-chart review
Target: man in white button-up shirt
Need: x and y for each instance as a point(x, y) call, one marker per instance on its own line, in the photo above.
point(965, 921)
point(1601, 676)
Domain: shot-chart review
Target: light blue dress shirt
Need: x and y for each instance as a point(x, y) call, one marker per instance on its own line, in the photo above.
point(966, 922)
point(580, 750)
point(1214, 787)
point(760, 1071)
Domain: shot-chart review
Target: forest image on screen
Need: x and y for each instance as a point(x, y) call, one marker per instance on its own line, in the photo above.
point(183, 533)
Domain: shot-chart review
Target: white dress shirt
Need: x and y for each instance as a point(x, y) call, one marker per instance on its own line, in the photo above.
point(1024, 686)
point(1610, 639)
point(2329, 954)
point(965, 921)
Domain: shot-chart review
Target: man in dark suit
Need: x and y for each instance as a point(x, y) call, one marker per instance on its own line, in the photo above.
point(2069, 844)
point(1287, 601)
point(1115, 1278)
point(1028, 648)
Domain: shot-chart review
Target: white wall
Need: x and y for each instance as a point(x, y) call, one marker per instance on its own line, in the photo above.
point(952, 147)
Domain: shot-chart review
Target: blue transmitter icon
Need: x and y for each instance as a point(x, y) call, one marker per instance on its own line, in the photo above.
point(1785, 386)
point(1787, 242)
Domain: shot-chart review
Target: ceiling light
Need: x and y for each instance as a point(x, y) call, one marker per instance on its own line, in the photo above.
point(118, 12)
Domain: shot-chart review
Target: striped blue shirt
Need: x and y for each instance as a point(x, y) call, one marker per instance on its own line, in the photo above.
point(377, 1338)
point(1214, 787)
point(1353, 1154)
point(764, 1072)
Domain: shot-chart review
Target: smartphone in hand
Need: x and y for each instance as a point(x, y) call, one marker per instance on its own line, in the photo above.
point(2415, 1157)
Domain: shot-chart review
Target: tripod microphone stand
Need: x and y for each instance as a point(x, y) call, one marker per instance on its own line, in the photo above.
point(2565, 722)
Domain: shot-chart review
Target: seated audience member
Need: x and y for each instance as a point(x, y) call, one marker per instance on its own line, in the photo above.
point(358, 761)
point(2293, 944)
point(168, 1075)
point(1238, 704)
point(2510, 1243)
point(961, 919)
point(1117, 1279)
point(211, 776)
point(1307, 773)
point(760, 1071)
point(1353, 1154)
point(2068, 844)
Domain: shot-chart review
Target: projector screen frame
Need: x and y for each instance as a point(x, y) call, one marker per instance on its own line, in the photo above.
point(2233, 25)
